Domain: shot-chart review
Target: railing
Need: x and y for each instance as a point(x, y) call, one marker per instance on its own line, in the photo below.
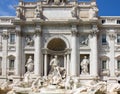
point(108, 21)
point(29, 3)
point(6, 19)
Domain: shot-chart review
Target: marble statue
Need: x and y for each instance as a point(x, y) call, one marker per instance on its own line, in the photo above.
point(38, 12)
point(56, 2)
point(37, 84)
point(55, 71)
point(29, 41)
point(68, 83)
point(84, 65)
point(56, 76)
point(112, 88)
point(74, 12)
point(30, 65)
point(18, 12)
point(54, 63)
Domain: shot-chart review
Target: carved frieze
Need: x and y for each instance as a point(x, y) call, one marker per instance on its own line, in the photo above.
point(29, 40)
point(84, 40)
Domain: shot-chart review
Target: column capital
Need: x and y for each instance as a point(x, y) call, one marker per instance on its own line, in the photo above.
point(18, 30)
point(5, 35)
point(74, 30)
point(38, 30)
point(94, 30)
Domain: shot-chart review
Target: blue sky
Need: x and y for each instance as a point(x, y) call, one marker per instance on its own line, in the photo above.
point(106, 7)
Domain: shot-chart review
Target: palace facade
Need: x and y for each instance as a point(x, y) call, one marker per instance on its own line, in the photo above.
point(68, 29)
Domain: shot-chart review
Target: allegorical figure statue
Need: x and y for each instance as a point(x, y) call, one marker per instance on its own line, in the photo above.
point(55, 71)
point(38, 12)
point(74, 11)
point(84, 65)
point(29, 65)
point(54, 63)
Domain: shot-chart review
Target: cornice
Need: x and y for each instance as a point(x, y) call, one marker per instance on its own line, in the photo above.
point(54, 22)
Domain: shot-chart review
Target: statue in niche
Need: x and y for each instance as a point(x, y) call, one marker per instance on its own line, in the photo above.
point(38, 12)
point(54, 63)
point(30, 65)
point(55, 71)
point(30, 41)
point(74, 12)
point(84, 65)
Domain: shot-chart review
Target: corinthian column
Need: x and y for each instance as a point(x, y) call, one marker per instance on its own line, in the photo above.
point(4, 52)
point(94, 52)
point(18, 62)
point(38, 53)
point(75, 67)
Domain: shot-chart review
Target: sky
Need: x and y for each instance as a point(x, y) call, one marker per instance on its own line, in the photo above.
point(106, 7)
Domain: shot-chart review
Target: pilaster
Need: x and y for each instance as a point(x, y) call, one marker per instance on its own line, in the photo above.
point(94, 52)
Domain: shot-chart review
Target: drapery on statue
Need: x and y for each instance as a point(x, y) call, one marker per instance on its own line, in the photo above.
point(84, 65)
point(74, 12)
point(54, 62)
point(55, 71)
point(29, 65)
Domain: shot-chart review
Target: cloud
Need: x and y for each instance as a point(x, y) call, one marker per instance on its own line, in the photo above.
point(11, 7)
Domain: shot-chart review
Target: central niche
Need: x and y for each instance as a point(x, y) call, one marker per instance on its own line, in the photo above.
point(56, 44)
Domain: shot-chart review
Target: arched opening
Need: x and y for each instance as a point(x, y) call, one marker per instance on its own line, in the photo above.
point(56, 44)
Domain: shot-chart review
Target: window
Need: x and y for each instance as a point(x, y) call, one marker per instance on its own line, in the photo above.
point(118, 21)
point(104, 41)
point(118, 64)
point(11, 65)
point(118, 38)
point(104, 62)
point(12, 38)
point(103, 21)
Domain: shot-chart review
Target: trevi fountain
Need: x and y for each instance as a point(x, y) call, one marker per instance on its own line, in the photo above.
point(59, 47)
point(57, 82)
